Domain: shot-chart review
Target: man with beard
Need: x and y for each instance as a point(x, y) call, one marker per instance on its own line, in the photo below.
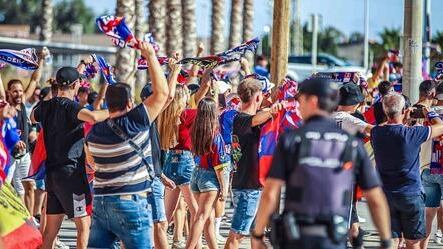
point(17, 97)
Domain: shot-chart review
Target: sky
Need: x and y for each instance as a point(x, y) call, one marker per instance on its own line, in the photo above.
point(346, 15)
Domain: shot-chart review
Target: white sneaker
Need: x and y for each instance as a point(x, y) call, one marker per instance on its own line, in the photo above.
point(220, 239)
point(438, 237)
point(361, 219)
point(179, 244)
point(60, 245)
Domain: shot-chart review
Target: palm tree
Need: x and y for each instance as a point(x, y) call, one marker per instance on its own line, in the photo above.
point(390, 38)
point(248, 20)
point(157, 22)
point(174, 27)
point(46, 20)
point(189, 29)
point(124, 65)
point(438, 39)
point(235, 32)
point(217, 22)
point(140, 76)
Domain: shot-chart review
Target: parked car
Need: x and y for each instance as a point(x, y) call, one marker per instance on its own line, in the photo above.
point(302, 67)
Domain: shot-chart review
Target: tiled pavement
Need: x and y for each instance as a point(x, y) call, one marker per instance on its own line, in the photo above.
point(68, 234)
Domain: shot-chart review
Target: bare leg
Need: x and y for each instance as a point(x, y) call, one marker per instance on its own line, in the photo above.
point(179, 220)
point(82, 224)
point(53, 224)
point(206, 204)
point(430, 215)
point(440, 217)
point(39, 197)
point(412, 244)
point(160, 236)
point(171, 200)
point(43, 215)
point(29, 195)
point(233, 241)
point(192, 206)
point(209, 231)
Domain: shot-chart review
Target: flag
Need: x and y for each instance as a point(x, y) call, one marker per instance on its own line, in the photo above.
point(241, 50)
point(118, 30)
point(26, 58)
point(37, 171)
point(10, 138)
point(105, 69)
point(142, 64)
point(16, 229)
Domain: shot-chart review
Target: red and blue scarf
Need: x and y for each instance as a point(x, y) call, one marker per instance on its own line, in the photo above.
point(26, 58)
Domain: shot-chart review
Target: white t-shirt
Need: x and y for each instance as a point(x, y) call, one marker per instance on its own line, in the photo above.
point(349, 123)
point(426, 147)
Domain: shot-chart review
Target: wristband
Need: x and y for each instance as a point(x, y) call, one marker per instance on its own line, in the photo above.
point(432, 115)
point(387, 243)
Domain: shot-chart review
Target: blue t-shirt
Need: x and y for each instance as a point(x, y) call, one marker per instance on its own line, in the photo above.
point(262, 71)
point(226, 125)
point(119, 169)
point(396, 150)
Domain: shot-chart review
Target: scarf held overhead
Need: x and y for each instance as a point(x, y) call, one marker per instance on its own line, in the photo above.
point(26, 58)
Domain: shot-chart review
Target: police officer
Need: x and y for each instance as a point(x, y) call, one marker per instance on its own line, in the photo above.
point(319, 164)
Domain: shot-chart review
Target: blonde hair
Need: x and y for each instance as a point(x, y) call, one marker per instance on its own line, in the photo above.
point(169, 120)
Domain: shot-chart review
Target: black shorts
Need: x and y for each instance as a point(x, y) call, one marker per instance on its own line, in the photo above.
point(68, 192)
point(407, 216)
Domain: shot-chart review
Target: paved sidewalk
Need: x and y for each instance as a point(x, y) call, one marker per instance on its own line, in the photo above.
point(68, 233)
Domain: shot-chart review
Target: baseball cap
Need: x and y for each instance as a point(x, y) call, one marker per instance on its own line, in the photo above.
point(44, 92)
point(66, 76)
point(320, 87)
point(350, 94)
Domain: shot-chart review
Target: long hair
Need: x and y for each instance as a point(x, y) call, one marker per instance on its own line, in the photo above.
point(169, 120)
point(205, 127)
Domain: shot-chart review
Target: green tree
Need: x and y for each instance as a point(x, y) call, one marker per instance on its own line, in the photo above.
point(20, 12)
point(438, 39)
point(328, 40)
point(390, 38)
point(68, 12)
point(356, 37)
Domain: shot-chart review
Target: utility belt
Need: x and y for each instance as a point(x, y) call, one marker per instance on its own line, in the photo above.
point(288, 227)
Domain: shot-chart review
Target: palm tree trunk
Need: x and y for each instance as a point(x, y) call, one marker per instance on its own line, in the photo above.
point(217, 37)
point(46, 20)
point(248, 20)
point(189, 29)
point(157, 21)
point(174, 40)
point(140, 30)
point(235, 32)
point(125, 56)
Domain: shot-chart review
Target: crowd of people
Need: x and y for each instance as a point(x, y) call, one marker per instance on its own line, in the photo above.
point(126, 173)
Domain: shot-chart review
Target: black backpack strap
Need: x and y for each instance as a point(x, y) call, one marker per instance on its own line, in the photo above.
point(123, 135)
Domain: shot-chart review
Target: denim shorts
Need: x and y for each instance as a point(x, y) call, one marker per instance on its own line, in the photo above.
point(40, 184)
point(179, 166)
point(433, 185)
point(128, 220)
point(246, 205)
point(204, 180)
point(407, 216)
point(157, 201)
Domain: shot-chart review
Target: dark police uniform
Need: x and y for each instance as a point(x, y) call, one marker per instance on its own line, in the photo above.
point(320, 163)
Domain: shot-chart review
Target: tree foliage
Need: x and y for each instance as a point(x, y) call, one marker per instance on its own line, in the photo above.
point(66, 13)
point(327, 40)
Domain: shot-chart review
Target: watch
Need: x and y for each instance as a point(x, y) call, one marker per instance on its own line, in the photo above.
point(257, 236)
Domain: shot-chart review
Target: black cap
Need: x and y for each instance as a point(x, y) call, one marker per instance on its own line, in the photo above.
point(320, 87)
point(193, 87)
point(66, 76)
point(350, 94)
point(146, 91)
point(44, 92)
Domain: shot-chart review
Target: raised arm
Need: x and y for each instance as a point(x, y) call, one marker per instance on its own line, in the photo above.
point(205, 85)
point(266, 114)
point(157, 100)
point(92, 117)
point(174, 70)
point(194, 69)
point(245, 66)
point(100, 97)
point(36, 75)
